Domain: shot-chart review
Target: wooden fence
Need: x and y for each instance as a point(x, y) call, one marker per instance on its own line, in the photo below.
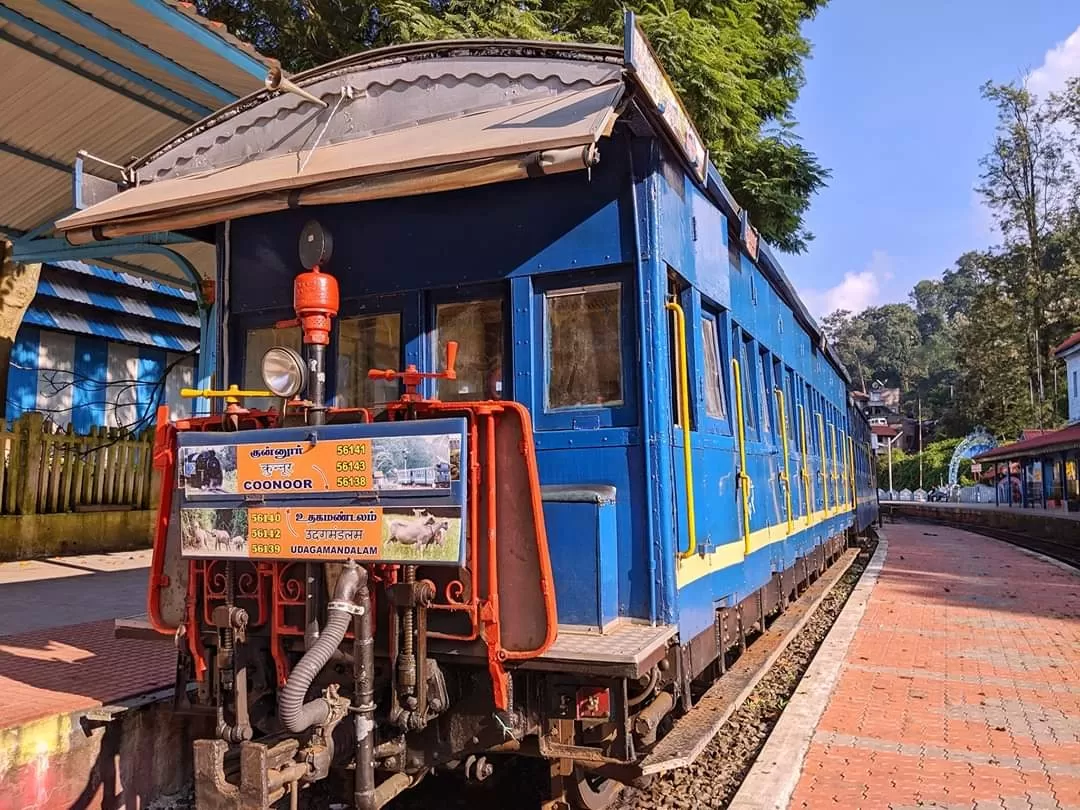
point(47, 472)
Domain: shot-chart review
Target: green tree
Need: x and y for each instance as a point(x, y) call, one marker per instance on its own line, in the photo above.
point(1027, 180)
point(736, 63)
point(849, 336)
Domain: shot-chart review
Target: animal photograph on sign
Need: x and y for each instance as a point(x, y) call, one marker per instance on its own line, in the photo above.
point(429, 534)
point(208, 470)
point(214, 532)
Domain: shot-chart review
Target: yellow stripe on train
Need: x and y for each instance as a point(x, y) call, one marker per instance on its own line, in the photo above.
point(691, 569)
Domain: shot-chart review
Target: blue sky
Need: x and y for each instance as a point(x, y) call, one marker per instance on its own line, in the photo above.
point(892, 107)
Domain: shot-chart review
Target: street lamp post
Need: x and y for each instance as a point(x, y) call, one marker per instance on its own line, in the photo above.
point(889, 444)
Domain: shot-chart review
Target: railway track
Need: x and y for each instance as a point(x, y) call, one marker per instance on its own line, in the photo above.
point(772, 668)
point(1062, 552)
point(757, 688)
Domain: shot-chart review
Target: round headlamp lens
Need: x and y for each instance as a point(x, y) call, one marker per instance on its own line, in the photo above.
point(283, 372)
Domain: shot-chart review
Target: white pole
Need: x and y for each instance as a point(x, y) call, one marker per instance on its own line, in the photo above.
point(890, 444)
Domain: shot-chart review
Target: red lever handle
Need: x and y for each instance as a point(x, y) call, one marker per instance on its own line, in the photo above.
point(451, 359)
point(410, 373)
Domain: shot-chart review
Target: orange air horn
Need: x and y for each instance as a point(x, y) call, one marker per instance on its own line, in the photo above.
point(316, 302)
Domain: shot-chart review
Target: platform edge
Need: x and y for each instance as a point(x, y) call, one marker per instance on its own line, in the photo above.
point(772, 780)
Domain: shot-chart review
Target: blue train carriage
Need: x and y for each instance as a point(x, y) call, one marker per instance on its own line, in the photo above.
point(618, 441)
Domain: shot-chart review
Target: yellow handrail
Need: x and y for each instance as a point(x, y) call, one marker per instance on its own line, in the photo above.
point(785, 476)
point(841, 437)
point(743, 478)
point(824, 463)
point(805, 465)
point(231, 394)
point(835, 472)
point(851, 472)
point(684, 418)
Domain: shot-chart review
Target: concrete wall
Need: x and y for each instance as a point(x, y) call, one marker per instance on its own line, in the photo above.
point(66, 762)
point(1038, 522)
point(24, 537)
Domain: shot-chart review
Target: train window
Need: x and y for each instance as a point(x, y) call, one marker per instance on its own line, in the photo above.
point(364, 343)
point(256, 344)
point(789, 395)
point(764, 396)
point(584, 347)
point(748, 377)
point(477, 326)
point(714, 382)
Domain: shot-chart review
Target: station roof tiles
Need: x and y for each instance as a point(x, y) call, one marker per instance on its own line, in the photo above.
point(1070, 342)
point(1049, 442)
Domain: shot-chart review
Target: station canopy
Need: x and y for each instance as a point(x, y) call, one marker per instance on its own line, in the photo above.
point(114, 78)
point(391, 122)
point(414, 119)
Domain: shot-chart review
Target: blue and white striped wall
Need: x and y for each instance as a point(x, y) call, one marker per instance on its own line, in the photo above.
point(88, 380)
point(101, 348)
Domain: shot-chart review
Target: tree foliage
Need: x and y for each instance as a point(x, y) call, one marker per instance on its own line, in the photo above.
point(736, 63)
point(985, 332)
point(936, 458)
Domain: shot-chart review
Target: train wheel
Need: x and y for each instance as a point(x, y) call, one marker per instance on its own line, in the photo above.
point(587, 791)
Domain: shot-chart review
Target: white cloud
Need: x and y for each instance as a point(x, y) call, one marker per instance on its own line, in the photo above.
point(856, 291)
point(1060, 63)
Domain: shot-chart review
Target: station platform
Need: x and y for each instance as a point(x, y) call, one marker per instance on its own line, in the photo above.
point(950, 680)
point(947, 506)
point(78, 713)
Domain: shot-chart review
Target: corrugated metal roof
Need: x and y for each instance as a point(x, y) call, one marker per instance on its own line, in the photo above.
point(112, 77)
point(117, 277)
point(571, 119)
point(104, 324)
point(124, 304)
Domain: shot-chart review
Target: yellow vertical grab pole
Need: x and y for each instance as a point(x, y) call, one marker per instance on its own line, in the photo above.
point(684, 418)
point(824, 463)
point(785, 476)
point(805, 466)
point(853, 479)
point(842, 438)
point(835, 473)
point(743, 478)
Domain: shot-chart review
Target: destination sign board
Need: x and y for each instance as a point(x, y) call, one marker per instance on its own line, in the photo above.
point(306, 468)
point(645, 67)
point(429, 535)
point(388, 492)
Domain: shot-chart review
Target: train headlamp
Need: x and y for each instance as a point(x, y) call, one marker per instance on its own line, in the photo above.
point(283, 372)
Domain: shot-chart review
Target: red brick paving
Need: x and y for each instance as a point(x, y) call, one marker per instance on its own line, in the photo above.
point(74, 668)
point(961, 688)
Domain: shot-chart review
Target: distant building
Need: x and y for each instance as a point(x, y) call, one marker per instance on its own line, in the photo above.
point(881, 436)
point(881, 403)
point(102, 348)
point(1069, 351)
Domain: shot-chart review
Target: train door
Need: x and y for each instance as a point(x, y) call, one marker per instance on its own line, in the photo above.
point(684, 429)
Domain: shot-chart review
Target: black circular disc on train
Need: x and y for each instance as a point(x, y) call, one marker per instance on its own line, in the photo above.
point(316, 245)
